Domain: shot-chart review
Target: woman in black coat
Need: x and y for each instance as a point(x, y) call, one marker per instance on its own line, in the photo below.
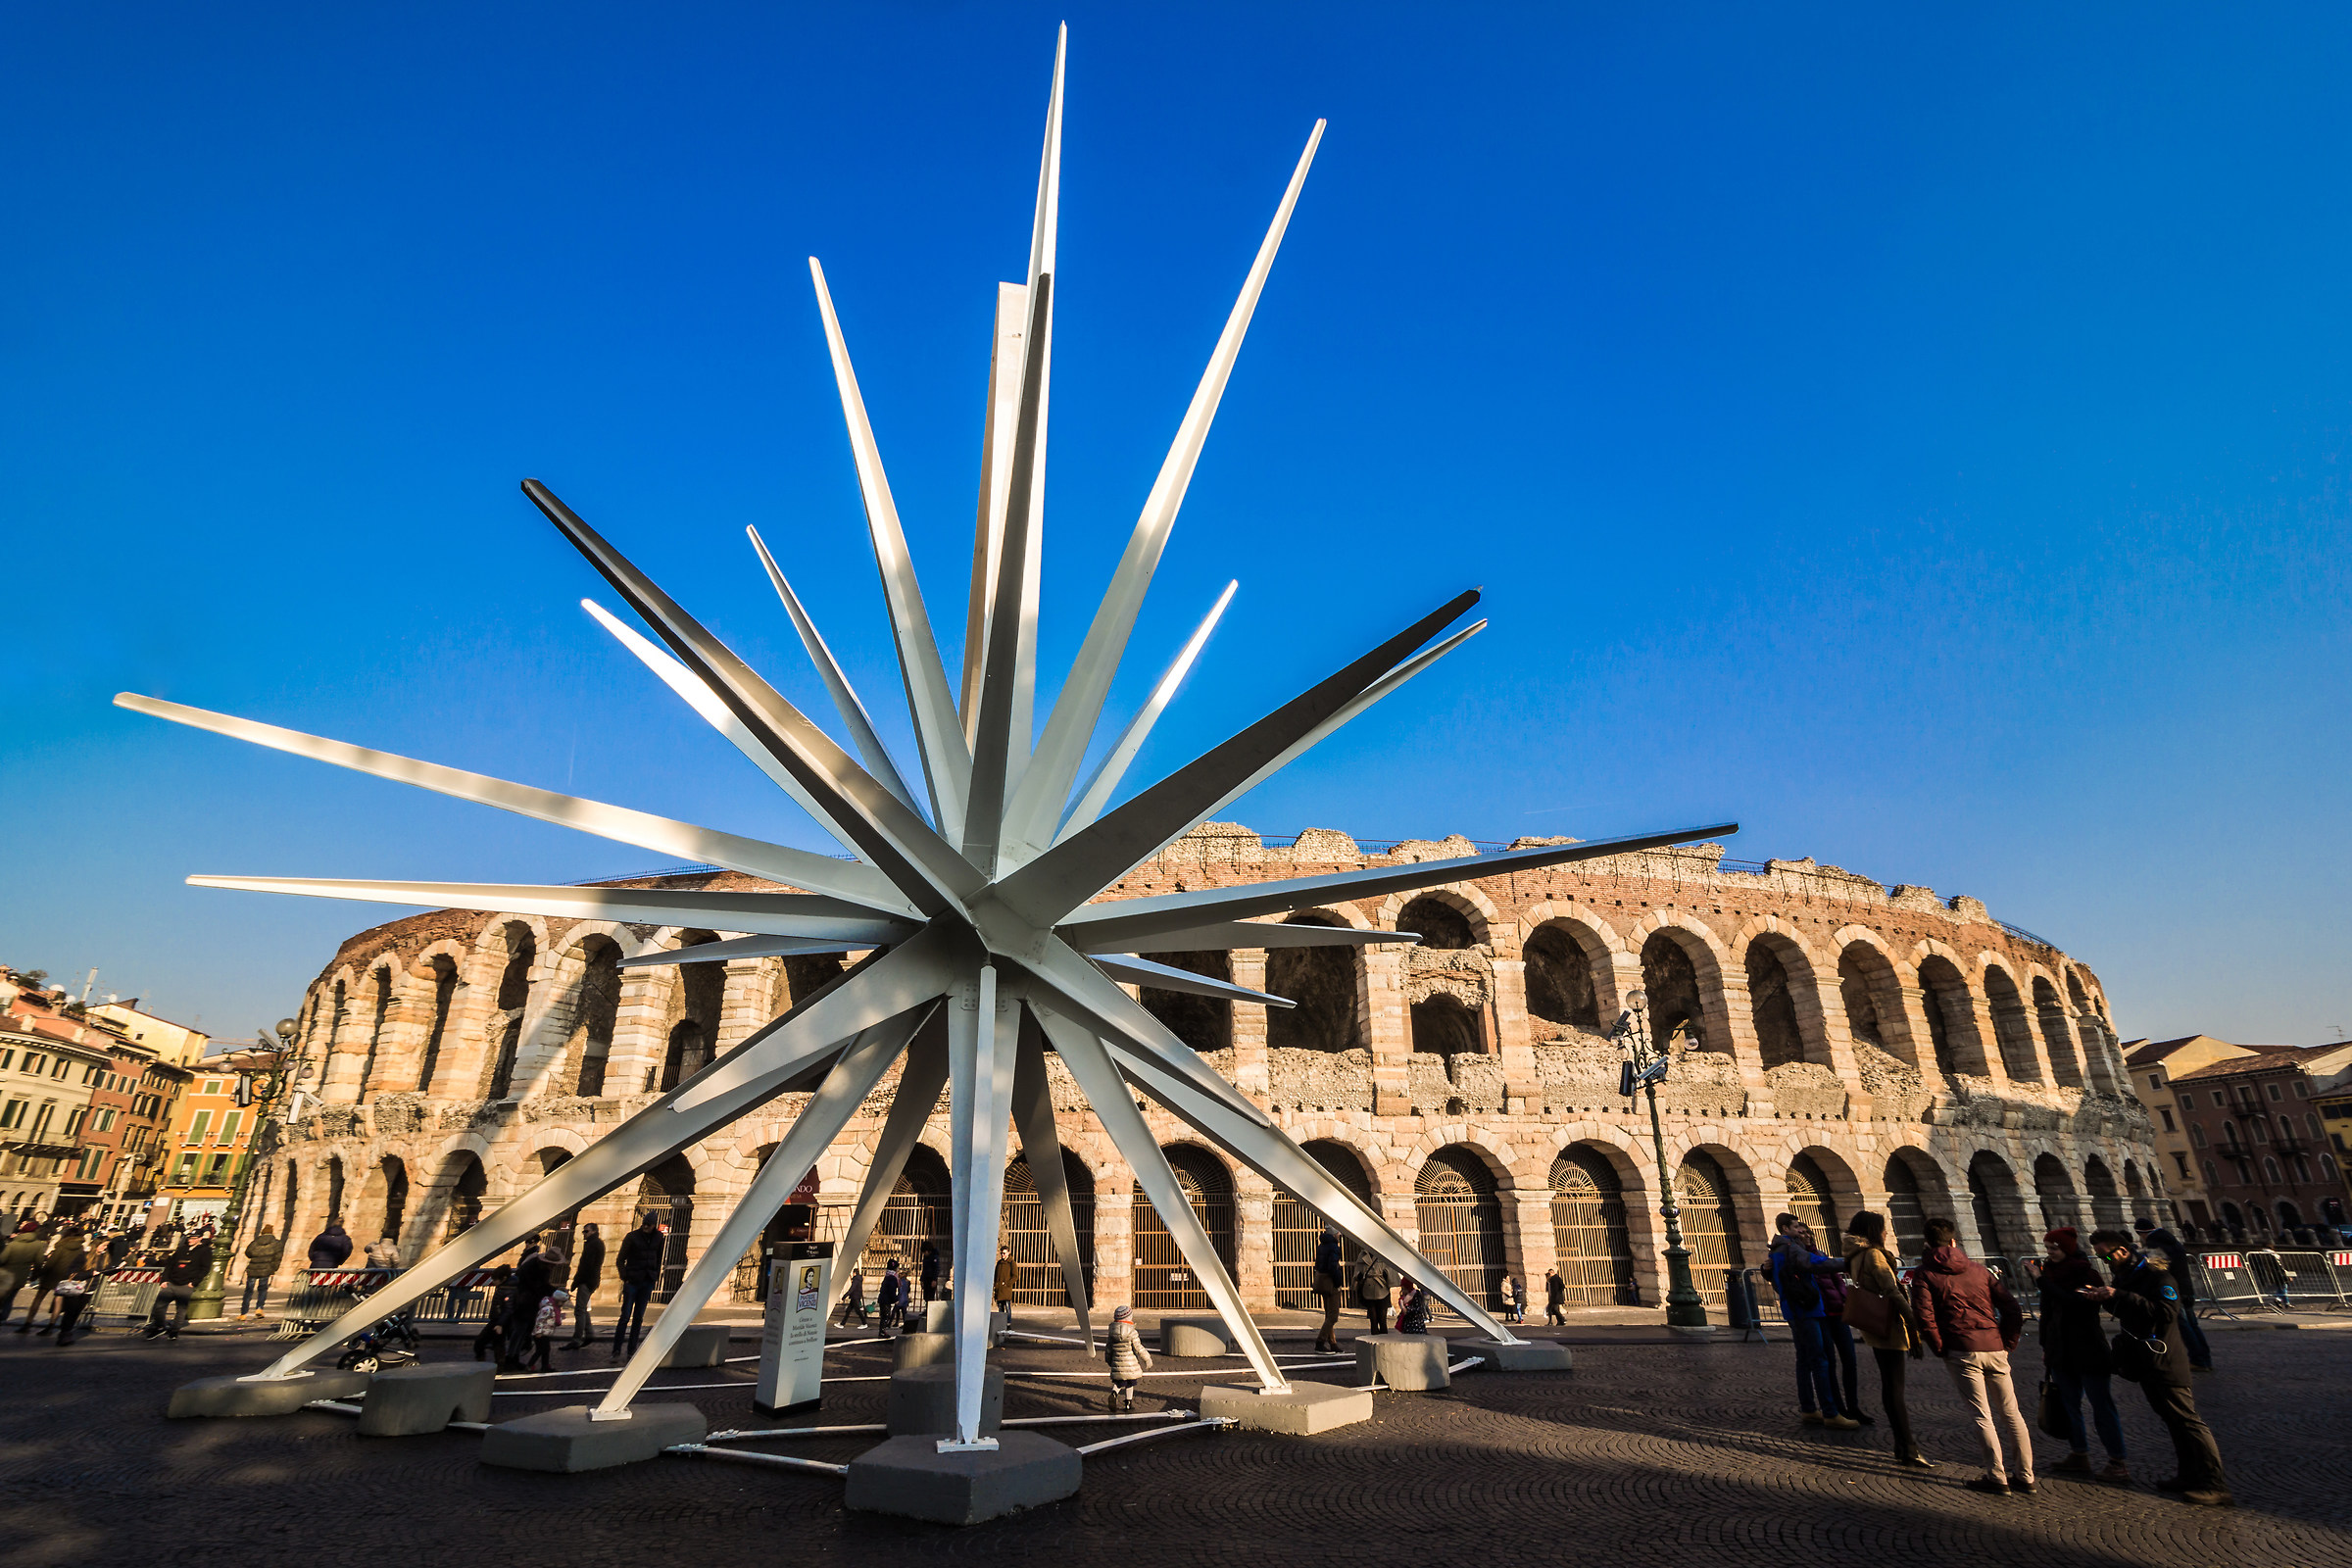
point(2074, 1355)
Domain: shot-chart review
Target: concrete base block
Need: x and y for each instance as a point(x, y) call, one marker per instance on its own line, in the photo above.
point(922, 1349)
point(565, 1440)
point(1531, 1356)
point(1408, 1362)
point(938, 1317)
point(1309, 1408)
point(702, 1345)
point(232, 1397)
point(410, 1401)
point(1194, 1336)
point(922, 1400)
point(910, 1478)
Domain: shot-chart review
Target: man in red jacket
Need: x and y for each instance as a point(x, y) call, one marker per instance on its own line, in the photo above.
point(1969, 1318)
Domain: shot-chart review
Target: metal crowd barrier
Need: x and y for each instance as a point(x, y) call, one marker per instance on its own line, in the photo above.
point(328, 1293)
point(2290, 1280)
point(2225, 1285)
point(128, 1293)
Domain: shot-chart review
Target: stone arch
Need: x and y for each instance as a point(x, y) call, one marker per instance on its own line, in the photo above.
point(442, 969)
point(1163, 1280)
point(1570, 978)
point(1916, 1193)
point(381, 987)
point(1783, 1003)
point(697, 1001)
point(2055, 1190)
point(383, 1203)
point(2011, 1029)
point(1712, 1187)
point(1325, 983)
point(464, 1184)
point(1457, 1203)
point(1204, 1023)
point(2143, 1206)
point(2004, 1226)
point(1943, 996)
point(1592, 1245)
point(1474, 908)
point(1037, 1279)
point(2065, 1065)
point(2106, 1198)
point(1440, 923)
point(1822, 1192)
point(1297, 1225)
point(1445, 1025)
point(668, 1192)
point(1681, 972)
point(513, 1002)
point(1872, 995)
point(920, 1212)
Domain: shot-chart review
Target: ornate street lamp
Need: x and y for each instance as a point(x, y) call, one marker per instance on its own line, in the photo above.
point(1644, 1065)
point(263, 1075)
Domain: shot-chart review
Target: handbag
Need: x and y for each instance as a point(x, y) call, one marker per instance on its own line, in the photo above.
point(1869, 1311)
point(2053, 1417)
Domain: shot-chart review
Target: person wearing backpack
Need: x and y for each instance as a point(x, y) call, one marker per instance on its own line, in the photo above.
point(1794, 1279)
point(1877, 1308)
point(1373, 1289)
point(1123, 1349)
point(2152, 1353)
point(1971, 1322)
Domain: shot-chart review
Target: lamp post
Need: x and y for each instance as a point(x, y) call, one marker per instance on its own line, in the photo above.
point(1645, 1063)
point(267, 1063)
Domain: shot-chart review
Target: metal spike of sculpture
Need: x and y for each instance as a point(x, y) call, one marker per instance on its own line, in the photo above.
point(988, 951)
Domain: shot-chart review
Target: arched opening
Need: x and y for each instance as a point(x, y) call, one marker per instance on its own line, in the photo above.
point(1437, 923)
point(2055, 1035)
point(695, 1001)
point(667, 1194)
point(921, 1214)
point(1204, 1023)
point(466, 1194)
point(1951, 1021)
point(1299, 1227)
point(1322, 981)
point(2010, 1026)
point(1037, 1278)
point(549, 1160)
point(1559, 978)
point(392, 1175)
point(293, 1192)
point(1460, 1217)
point(1772, 1005)
point(1811, 1200)
point(1994, 1201)
point(2143, 1209)
point(445, 986)
point(1871, 994)
point(382, 982)
point(1907, 1209)
point(2290, 1216)
point(684, 1055)
point(513, 998)
point(1595, 1254)
point(2234, 1220)
point(807, 973)
point(1710, 1224)
point(1671, 980)
point(2056, 1189)
point(1444, 1025)
point(1163, 1280)
point(2106, 1202)
point(599, 1010)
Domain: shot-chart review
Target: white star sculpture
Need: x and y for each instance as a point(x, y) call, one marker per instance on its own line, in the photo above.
point(988, 952)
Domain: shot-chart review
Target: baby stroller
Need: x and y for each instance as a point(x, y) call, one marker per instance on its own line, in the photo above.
point(391, 1342)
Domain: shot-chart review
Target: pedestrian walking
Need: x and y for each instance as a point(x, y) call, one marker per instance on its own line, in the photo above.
point(330, 1247)
point(2156, 1239)
point(587, 1275)
point(930, 1274)
point(1123, 1349)
point(890, 1299)
point(1509, 1290)
point(853, 1301)
point(1372, 1292)
point(1556, 1299)
point(537, 1277)
point(1969, 1319)
point(2075, 1357)
point(73, 1296)
point(502, 1301)
point(2152, 1351)
point(117, 1248)
point(546, 1324)
point(1330, 1285)
point(1795, 1269)
point(639, 1269)
point(1000, 1287)
point(263, 1255)
point(1879, 1308)
point(184, 1271)
point(65, 1258)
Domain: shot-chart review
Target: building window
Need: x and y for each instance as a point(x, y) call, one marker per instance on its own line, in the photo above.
point(2273, 1089)
point(2212, 1177)
point(2181, 1160)
point(2220, 1099)
point(75, 1120)
point(2270, 1168)
point(62, 1068)
point(228, 1126)
point(2155, 1080)
point(187, 1170)
point(2327, 1168)
point(212, 1086)
point(34, 1062)
point(14, 1115)
point(198, 1127)
point(7, 1059)
point(2312, 1119)
point(2302, 1090)
point(2167, 1114)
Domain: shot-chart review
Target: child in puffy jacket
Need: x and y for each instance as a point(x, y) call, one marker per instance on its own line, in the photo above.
point(1123, 1349)
point(545, 1327)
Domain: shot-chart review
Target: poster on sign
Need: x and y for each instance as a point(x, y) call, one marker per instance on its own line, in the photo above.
point(792, 1344)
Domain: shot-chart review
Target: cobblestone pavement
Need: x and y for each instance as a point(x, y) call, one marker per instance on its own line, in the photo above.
point(1649, 1452)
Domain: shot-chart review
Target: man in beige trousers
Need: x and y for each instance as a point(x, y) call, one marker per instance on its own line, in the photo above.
point(1969, 1319)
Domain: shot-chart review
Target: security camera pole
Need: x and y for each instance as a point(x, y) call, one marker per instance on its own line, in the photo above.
point(1645, 1063)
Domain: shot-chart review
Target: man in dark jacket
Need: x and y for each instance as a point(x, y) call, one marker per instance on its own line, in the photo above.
point(2074, 1352)
point(500, 1317)
point(890, 1299)
point(2151, 1352)
point(586, 1276)
point(931, 1267)
point(330, 1247)
point(184, 1271)
point(1969, 1318)
point(263, 1255)
point(1329, 1287)
point(2156, 1239)
point(1555, 1297)
point(533, 1279)
point(639, 1268)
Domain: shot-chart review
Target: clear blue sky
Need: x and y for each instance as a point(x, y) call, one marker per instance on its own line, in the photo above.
point(1921, 439)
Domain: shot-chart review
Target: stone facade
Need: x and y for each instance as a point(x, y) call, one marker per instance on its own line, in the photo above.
point(1837, 1042)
